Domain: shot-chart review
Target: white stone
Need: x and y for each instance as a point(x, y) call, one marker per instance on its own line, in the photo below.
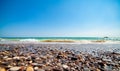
point(65, 66)
point(36, 68)
point(16, 57)
point(15, 68)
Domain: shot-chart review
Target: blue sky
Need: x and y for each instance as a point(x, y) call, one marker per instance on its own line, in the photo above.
point(59, 18)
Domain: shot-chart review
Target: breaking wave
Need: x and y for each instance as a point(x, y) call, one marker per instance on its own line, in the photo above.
point(1, 39)
point(29, 40)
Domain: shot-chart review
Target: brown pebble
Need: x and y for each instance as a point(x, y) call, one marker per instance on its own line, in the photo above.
point(98, 70)
point(29, 68)
point(2, 69)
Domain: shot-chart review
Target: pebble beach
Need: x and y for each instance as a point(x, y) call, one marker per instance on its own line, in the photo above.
point(59, 57)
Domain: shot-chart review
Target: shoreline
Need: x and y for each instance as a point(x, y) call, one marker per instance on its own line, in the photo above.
point(60, 42)
point(71, 40)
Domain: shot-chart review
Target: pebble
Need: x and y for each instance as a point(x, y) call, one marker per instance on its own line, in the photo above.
point(5, 57)
point(73, 58)
point(15, 68)
point(36, 68)
point(40, 70)
point(48, 59)
point(65, 66)
point(16, 57)
point(57, 69)
point(29, 68)
point(107, 60)
point(98, 70)
point(4, 63)
point(8, 59)
point(47, 68)
point(2, 69)
point(86, 69)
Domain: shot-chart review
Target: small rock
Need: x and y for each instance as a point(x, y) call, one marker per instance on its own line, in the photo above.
point(65, 66)
point(16, 57)
point(29, 68)
point(98, 70)
point(30, 62)
point(40, 70)
point(5, 57)
point(8, 59)
point(4, 63)
point(9, 66)
point(55, 69)
point(2, 69)
point(34, 64)
point(73, 58)
point(109, 60)
point(35, 68)
point(59, 56)
point(86, 69)
point(47, 68)
point(73, 69)
point(15, 68)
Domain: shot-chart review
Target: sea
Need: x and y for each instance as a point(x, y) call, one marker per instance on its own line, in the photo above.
point(57, 38)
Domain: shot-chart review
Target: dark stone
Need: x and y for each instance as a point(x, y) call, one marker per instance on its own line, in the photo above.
point(61, 47)
point(28, 59)
point(59, 57)
point(4, 63)
point(101, 64)
point(65, 70)
point(74, 58)
point(17, 60)
point(56, 69)
point(33, 58)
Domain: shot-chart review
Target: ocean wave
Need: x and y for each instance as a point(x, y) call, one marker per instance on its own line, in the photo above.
point(29, 40)
point(1, 39)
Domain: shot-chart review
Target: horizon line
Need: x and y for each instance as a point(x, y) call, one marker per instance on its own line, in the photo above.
point(51, 36)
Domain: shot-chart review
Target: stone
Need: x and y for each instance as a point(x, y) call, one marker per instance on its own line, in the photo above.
point(5, 57)
point(35, 68)
point(65, 66)
point(47, 68)
point(2, 69)
point(109, 60)
point(16, 57)
point(59, 56)
point(29, 68)
point(9, 66)
point(40, 70)
point(98, 70)
point(8, 59)
point(15, 68)
point(86, 69)
point(30, 62)
point(34, 64)
point(73, 58)
point(55, 69)
point(4, 63)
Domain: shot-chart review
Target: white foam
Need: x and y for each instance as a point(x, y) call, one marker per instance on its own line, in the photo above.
point(29, 40)
point(1, 39)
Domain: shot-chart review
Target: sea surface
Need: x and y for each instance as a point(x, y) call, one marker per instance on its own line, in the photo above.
point(57, 38)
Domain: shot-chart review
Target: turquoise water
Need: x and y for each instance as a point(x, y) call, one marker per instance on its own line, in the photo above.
point(62, 38)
